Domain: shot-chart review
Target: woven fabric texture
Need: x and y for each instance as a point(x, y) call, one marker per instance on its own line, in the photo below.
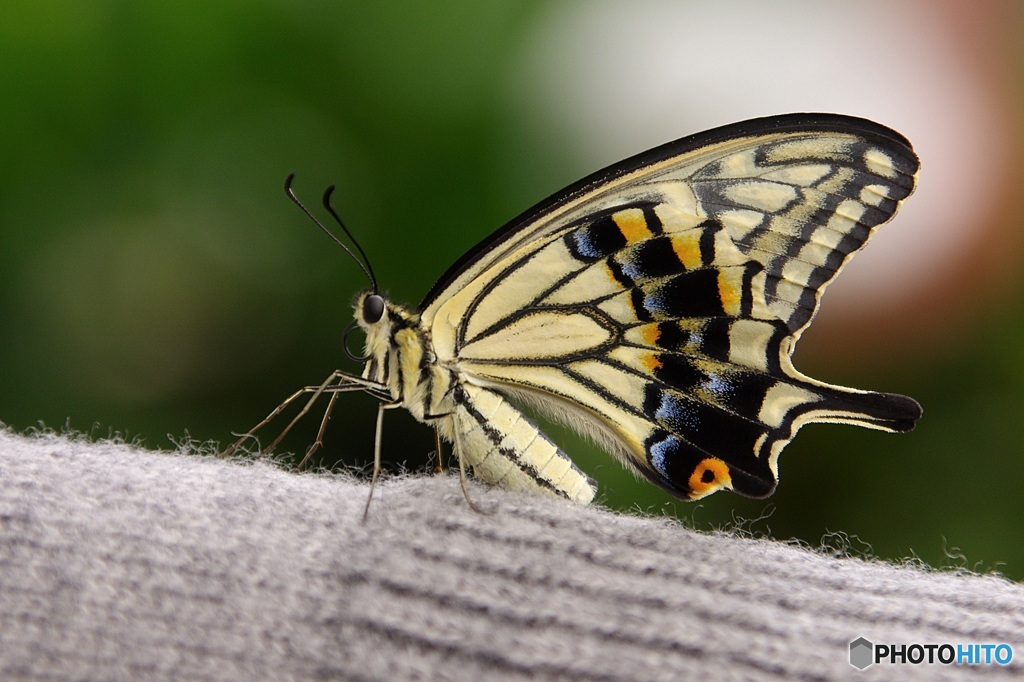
point(123, 564)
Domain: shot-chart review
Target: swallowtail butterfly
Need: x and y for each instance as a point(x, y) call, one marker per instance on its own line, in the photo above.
point(653, 306)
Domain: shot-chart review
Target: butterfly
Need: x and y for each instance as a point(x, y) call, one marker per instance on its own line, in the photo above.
point(653, 306)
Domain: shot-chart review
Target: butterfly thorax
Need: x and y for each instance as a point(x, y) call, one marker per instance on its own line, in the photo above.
point(489, 434)
point(400, 357)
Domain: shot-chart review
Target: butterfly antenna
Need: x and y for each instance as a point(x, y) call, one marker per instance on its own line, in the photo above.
point(364, 264)
point(330, 209)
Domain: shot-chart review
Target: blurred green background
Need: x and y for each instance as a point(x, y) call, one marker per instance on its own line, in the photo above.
point(154, 280)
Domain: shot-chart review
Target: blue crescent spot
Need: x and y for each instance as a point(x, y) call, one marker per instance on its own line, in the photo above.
point(672, 410)
point(719, 385)
point(659, 452)
point(585, 245)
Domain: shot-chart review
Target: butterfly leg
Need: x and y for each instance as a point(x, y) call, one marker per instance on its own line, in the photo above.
point(458, 453)
point(462, 476)
point(319, 442)
point(437, 443)
point(377, 437)
point(343, 382)
point(335, 377)
point(251, 433)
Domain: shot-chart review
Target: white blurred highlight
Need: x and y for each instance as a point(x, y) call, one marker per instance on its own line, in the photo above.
point(619, 78)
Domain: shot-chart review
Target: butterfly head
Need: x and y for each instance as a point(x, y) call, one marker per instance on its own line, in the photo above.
point(371, 315)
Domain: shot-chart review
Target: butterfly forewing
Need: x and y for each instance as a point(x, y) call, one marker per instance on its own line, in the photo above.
point(655, 305)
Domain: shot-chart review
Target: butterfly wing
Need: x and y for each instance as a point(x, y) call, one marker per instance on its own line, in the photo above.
point(655, 305)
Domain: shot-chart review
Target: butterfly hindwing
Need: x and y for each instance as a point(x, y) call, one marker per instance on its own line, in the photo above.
point(655, 305)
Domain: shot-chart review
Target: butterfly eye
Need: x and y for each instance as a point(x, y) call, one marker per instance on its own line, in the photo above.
point(373, 308)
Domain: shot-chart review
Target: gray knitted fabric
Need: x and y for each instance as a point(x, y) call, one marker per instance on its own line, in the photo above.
point(118, 564)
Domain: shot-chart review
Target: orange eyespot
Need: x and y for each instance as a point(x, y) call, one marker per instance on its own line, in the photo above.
point(708, 476)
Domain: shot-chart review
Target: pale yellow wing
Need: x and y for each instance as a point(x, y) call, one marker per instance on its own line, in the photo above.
point(655, 304)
